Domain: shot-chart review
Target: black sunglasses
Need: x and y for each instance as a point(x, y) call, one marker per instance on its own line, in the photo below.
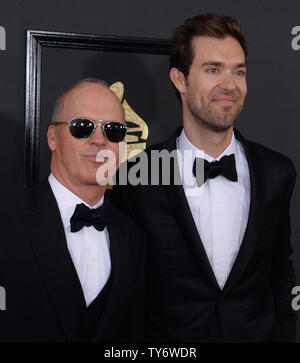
point(82, 128)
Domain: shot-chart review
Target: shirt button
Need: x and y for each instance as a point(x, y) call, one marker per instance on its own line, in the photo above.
point(92, 260)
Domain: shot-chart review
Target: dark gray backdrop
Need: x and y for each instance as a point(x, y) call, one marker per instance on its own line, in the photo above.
point(272, 111)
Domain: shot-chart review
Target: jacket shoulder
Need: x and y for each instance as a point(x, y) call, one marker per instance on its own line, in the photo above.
point(272, 160)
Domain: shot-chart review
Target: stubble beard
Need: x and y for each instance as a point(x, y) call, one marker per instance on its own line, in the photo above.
point(217, 121)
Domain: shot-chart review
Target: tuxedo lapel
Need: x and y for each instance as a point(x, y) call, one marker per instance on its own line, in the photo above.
point(257, 186)
point(42, 218)
point(122, 278)
point(183, 215)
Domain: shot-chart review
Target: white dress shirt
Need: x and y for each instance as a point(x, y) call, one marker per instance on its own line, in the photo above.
point(220, 207)
point(89, 248)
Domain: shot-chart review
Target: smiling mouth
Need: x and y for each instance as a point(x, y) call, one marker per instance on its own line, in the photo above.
point(93, 158)
point(225, 101)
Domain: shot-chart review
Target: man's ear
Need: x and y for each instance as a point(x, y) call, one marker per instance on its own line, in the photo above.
point(178, 79)
point(51, 136)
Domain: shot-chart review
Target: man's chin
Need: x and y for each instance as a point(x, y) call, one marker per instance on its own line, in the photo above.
point(220, 124)
point(90, 178)
point(92, 182)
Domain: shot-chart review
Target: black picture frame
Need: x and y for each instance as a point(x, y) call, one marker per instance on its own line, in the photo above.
point(36, 40)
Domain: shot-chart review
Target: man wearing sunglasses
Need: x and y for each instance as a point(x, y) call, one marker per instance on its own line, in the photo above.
point(72, 263)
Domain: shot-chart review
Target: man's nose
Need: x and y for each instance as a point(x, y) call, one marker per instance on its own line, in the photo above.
point(98, 137)
point(227, 82)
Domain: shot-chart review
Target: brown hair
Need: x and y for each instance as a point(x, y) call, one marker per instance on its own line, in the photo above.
point(210, 24)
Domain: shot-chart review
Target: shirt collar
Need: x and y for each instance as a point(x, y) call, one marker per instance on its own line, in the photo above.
point(67, 200)
point(185, 144)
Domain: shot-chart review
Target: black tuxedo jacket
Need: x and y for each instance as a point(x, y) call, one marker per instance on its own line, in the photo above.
point(184, 301)
point(44, 299)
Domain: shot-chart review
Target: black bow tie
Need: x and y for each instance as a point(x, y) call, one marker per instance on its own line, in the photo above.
point(225, 167)
point(84, 216)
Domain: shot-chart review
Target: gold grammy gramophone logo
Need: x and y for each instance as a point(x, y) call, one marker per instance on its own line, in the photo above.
point(137, 133)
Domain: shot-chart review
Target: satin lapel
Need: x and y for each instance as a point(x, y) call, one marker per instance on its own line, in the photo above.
point(257, 185)
point(184, 218)
point(42, 218)
point(122, 279)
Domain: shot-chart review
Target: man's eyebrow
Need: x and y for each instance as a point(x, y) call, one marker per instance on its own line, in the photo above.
point(212, 63)
point(241, 65)
point(219, 64)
